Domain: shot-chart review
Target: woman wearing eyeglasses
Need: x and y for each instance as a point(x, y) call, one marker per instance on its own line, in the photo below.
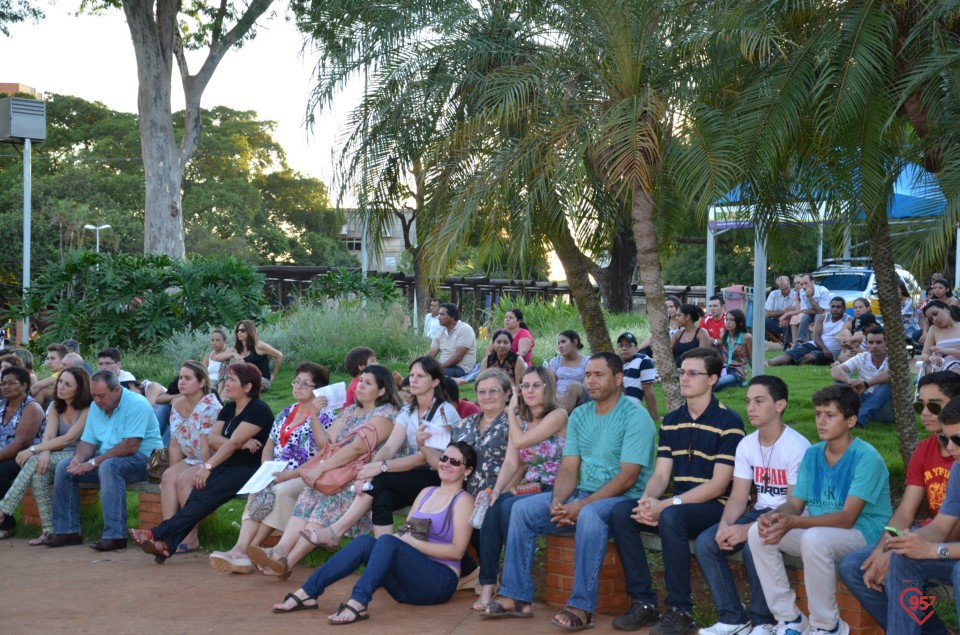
point(538, 429)
point(292, 440)
point(249, 348)
point(414, 570)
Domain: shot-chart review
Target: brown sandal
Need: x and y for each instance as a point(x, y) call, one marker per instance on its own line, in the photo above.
point(574, 621)
point(496, 610)
point(313, 536)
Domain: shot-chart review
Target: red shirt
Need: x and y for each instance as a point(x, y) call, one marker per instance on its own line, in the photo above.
point(714, 328)
point(352, 392)
point(467, 408)
point(929, 470)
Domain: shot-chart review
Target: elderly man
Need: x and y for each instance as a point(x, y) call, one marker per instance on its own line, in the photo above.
point(120, 433)
point(779, 309)
point(431, 321)
point(814, 301)
point(455, 344)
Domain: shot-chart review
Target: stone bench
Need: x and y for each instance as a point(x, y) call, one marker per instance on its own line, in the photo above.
point(612, 597)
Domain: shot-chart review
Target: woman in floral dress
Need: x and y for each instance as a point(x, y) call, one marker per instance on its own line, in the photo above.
point(192, 416)
point(538, 429)
point(377, 405)
point(293, 440)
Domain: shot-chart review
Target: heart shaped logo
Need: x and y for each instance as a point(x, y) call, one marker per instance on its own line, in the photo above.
point(917, 604)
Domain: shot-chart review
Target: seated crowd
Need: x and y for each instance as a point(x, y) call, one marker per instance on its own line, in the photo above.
point(570, 447)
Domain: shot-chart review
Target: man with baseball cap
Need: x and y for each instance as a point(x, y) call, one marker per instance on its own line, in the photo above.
point(639, 374)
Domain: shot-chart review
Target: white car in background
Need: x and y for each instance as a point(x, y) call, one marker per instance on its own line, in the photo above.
point(852, 281)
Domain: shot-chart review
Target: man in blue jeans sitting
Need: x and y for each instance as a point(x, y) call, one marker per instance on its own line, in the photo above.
point(698, 442)
point(120, 433)
point(608, 457)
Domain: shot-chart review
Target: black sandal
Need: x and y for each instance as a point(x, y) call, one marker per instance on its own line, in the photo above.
point(496, 610)
point(360, 615)
point(298, 605)
point(577, 623)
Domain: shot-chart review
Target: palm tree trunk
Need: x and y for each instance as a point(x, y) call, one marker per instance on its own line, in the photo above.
point(584, 296)
point(881, 250)
point(648, 259)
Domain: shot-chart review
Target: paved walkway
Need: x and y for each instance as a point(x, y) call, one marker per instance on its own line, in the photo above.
point(77, 590)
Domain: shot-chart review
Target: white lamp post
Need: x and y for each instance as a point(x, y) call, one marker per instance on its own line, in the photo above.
point(97, 228)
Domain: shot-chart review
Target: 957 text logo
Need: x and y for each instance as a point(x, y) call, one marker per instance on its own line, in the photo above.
point(920, 605)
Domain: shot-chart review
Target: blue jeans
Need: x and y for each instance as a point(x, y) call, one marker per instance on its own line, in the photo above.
point(716, 571)
point(454, 371)
point(162, 410)
point(773, 325)
point(679, 524)
point(730, 380)
point(530, 517)
point(922, 574)
point(803, 332)
point(876, 406)
point(408, 576)
point(875, 601)
point(113, 475)
point(493, 535)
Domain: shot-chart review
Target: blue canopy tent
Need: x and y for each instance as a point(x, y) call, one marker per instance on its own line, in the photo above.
point(916, 194)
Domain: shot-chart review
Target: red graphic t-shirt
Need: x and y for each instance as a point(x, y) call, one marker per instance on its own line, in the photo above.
point(930, 471)
point(714, 328)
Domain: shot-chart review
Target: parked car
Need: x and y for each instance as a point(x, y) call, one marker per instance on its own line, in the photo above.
point(852, 281)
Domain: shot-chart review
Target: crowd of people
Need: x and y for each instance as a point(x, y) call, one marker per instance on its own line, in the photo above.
point(571, 446)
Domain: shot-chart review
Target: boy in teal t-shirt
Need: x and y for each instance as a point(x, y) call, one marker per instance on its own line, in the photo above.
point(843, 483)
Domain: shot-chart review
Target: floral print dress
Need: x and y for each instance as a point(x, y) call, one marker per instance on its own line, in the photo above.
point(541, 461)
point(490, 446)
point(300, 445)
point(323, 509)
point(187, 431)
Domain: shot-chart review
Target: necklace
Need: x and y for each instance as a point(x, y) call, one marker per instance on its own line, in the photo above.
point(766, 459)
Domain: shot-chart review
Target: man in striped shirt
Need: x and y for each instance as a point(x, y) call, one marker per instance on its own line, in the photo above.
point(697, 448)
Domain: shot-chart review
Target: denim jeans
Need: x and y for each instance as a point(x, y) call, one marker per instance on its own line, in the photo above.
point(773, 325)
point(678, 525)
point(529, 518)
point(408, 576)
point(113, 475)
point(803, 332)
point(454, 371)
point(716, 571)
point(875, 601)
point(493, 535)
point(162, 410)
point(876, 406)
point(922, 574)
point(730, 380)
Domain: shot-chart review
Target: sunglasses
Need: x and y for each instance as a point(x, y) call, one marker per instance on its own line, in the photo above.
point(457, 462)
point(934, 408)
point(955, 439)
point(241, 330)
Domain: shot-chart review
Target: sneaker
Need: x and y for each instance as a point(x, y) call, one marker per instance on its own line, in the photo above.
point(675, 622)
point(840, 629)
point(639, 615)
point(764, 629)
point(799, 626)
point(726, 629)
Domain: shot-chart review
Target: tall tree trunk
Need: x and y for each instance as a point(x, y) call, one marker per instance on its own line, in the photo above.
point(577, 268)
point(648, 259)
point(616, 279)
point(902, 388)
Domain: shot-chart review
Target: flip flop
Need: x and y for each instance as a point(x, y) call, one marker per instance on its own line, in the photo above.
point(184, 548)
point(360, 615)
point(498, 611)
point(577, 623)
point(39, 540)
point(298, 605)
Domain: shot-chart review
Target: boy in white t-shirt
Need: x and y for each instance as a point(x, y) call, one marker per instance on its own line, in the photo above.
point(767, 459)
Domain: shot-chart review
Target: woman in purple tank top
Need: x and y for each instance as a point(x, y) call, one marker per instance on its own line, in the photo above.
point(413, 571)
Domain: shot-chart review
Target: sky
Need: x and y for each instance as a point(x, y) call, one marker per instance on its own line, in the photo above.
point(92, 57)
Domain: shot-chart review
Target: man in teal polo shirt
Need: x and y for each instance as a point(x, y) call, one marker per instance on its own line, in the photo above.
point(120, 433)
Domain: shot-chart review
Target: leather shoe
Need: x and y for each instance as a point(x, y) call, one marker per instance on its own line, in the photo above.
point(62, 540)
point(109, 544)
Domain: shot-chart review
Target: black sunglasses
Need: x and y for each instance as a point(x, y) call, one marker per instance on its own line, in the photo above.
point(457, 462)
point(934, 408)
point(955, 439)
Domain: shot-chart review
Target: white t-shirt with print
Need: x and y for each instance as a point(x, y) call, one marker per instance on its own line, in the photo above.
point(780, 463)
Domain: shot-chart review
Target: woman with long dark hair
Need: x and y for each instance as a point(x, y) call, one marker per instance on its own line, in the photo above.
point(689, 336)
point(249, 348)
point(736, 347)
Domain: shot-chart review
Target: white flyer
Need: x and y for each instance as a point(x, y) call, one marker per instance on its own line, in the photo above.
point(262, 477)
point(439, 437)
point(336, 395)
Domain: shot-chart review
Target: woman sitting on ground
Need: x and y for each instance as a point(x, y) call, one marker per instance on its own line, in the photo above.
point(690, 335)
point(65, 421)
point(538, 429)
point(236, 440)
point(909, 314)
point(293, 440)
point(521, 339)
point(249, 348)
point(567, 370)
point(736, 347)
point(21, 426)
point(403, 564)
point(851, 337)
point(673, 306)
point(502, 358)
point(192, 417)
point(372, 418)
point(218, 341)
point(941, 348)
point(399, 472)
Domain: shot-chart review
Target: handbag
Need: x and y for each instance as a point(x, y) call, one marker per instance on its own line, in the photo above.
point(416, 527)
point(261, 503)
point(333, 480)
point(157, 464)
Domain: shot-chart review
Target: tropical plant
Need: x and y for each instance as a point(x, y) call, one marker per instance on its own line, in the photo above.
point(345, 285)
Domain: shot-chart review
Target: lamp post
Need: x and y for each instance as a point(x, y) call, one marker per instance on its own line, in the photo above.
point(97, 228)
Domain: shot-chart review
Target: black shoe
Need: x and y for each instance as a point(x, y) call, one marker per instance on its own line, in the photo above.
point(639, 615)
point(63, 540)
point(109, 544)
point(675, 622)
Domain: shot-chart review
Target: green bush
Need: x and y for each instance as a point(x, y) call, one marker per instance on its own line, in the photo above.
point(351, 285)
point(134, 301)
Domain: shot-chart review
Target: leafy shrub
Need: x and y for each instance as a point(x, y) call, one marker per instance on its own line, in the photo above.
point(134, 301)
point(351, 284)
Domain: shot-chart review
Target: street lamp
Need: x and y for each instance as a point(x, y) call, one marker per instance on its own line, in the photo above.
point(95, 228)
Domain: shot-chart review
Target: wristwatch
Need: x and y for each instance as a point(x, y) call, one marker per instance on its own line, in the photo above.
point(943, 552)
point(208, 467)
point(93, 462)
point(383, 467)
point(677, 500)
point(33, 449)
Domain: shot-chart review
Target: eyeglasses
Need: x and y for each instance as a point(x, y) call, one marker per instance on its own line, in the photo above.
point(296, 383)
point(934, 408)
point(531, 386)
point(457, 462)
point(955, 439)
point(493, 392)
point(693, 374)
point(10, 384)
point(241, 330)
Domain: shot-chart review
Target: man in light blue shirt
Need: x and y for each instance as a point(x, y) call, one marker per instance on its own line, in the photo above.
point(120, 433)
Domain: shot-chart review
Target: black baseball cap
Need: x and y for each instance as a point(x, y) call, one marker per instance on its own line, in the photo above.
point(630, 337)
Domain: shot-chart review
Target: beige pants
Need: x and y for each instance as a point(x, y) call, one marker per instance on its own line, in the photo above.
point(286, 493)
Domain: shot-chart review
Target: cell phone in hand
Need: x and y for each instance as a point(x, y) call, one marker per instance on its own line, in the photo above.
point(893, 532)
